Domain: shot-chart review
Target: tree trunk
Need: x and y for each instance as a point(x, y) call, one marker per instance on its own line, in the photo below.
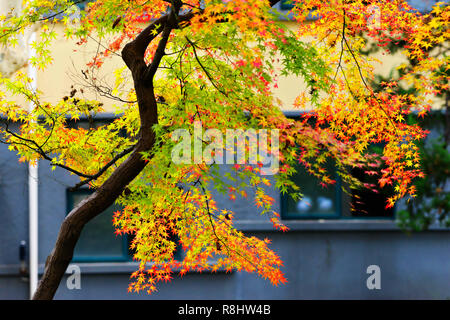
point(89, 208)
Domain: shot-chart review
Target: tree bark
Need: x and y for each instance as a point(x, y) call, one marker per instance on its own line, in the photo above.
point(89, 208)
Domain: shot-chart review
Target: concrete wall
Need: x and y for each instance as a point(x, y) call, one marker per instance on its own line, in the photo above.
point(318, 264)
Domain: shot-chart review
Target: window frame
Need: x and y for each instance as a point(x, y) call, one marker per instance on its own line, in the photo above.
point(285, 215)
point(285, 5)
point(82, 5)
point(100, 120)
point(339, 215)
point(127, 254)
point(125, 257)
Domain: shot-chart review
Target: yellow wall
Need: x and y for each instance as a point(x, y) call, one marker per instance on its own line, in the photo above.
point(65, 71)
point(70, 59)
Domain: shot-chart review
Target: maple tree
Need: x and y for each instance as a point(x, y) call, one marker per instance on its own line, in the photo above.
point(218, 62)
point(431, 206)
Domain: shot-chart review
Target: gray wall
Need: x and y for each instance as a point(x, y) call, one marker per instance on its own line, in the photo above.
point(318, 264)
point(322, 259)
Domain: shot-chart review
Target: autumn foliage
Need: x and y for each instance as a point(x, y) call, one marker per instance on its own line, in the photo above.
point(221, 66)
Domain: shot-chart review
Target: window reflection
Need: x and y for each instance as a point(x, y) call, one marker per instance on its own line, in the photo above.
point(317, 201)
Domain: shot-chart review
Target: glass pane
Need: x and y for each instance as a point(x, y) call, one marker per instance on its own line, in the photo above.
point(316, 202)
point(369, 204)
point(97, 240)
point(177, 255)
point(286, 4)
point(83, 4)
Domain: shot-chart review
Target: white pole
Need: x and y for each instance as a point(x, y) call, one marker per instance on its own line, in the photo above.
point(33, 190)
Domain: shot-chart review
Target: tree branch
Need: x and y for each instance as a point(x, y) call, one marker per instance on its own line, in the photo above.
point(105, 167)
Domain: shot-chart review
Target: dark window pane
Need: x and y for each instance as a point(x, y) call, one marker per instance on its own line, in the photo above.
point(286, 5)
point(83, 4)
point(317, 201)
point(98, 240)
point(366, 203)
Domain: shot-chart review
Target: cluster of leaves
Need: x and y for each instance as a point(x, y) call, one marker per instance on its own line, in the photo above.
point(431, 205)
point(347, 27)
point(220, 68)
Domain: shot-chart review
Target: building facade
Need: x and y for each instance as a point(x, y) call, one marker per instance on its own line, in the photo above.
point(328, 253)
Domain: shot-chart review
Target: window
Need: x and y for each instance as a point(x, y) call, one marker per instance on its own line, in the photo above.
point(369, 204)
point(97, 241)
point(317, 202)
point(286, 5)
point(331, 202)
point(82, 5)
